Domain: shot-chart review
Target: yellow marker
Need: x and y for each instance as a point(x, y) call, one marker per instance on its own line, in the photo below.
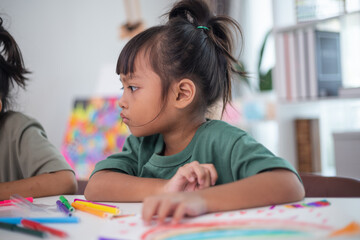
point(88, 209)
point(100, 207)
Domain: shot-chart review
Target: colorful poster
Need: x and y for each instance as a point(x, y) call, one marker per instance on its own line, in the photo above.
point(94, 132)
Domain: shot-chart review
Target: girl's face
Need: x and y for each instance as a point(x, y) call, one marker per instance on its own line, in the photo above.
point(141, 101)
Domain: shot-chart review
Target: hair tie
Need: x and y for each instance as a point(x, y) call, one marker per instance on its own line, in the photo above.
point(203, 27)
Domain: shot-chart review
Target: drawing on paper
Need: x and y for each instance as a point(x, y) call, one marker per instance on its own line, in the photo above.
point(314, 220)
point(271, 228)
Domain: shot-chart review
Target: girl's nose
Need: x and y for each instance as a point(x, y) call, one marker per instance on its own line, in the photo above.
point(121, 102)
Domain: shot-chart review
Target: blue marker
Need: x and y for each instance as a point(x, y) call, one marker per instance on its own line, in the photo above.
point(17, 220)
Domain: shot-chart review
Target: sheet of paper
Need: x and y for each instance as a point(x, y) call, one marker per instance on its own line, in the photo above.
point(270, 223)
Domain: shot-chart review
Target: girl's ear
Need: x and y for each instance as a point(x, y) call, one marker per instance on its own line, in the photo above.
point(184, 91)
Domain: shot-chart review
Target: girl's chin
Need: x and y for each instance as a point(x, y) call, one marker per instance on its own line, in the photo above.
point(126, 121)
point(138, 133)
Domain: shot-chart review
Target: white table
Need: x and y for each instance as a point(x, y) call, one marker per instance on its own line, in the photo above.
point(90, 226)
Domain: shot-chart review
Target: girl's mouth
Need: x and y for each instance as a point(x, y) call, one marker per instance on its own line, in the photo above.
point(124, 118)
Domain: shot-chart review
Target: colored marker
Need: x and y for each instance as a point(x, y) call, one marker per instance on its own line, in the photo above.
point(66, 203)
point(17, 220)
point(63, 208)
point(123, 216)
point(38, 226)
point(11, 201)
point(82, 200)
point(103, 208)
point(16, 228)
point(88, 209)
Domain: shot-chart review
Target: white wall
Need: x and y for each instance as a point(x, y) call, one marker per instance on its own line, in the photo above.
point(256, 19)
point(69, 45)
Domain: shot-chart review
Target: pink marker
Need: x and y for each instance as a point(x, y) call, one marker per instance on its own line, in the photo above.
point(11, 201)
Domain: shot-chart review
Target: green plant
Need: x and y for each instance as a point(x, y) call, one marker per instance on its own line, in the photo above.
point(265, 79)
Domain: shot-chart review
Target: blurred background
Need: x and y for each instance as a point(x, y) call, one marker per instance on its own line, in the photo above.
point(301, 100)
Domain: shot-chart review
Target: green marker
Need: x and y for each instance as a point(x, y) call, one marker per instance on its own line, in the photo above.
point(16, 228)
point(66, 203)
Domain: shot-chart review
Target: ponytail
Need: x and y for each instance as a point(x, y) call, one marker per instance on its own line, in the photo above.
point(12, 69)
point(216, 62)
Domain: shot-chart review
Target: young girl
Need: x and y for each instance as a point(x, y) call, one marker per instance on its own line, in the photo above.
point(29, 164)
point(176, 161)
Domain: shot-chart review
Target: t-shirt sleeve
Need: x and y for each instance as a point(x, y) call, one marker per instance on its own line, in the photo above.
point(36, 154)
point(126, 161)
point(250, 157)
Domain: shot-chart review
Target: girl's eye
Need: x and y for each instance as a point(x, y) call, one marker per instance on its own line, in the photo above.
point(132, 88)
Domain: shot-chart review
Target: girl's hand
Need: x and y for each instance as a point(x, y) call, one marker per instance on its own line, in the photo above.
point(177, 205)
point(191, 177)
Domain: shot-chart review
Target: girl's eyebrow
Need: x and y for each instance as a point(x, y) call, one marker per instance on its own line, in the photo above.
point(128, 78)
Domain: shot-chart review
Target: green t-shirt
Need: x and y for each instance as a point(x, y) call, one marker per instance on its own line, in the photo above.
point(234, 153)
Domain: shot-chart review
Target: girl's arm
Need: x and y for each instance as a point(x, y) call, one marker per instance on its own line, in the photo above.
point(268, 188)
point(108, 185)
point(47, 184)
point(113, 186)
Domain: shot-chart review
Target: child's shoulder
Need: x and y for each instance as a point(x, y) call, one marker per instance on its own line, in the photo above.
point(219, 128)
point(18, 118)
point(17, 121)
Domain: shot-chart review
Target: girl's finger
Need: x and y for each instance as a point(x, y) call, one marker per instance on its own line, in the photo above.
point(207, 179)
point(188, 172)
point(200, 174)
point(179, 213)
point(150, 208)
point(213, 173)
point(164, 209)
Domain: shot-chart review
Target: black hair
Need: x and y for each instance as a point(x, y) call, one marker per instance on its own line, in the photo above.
point(12, 69)
point(180, 49)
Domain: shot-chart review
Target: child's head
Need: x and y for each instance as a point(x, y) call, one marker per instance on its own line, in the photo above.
point(12, 68)
point(194, 44)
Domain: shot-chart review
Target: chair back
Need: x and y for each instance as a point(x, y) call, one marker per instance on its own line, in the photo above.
point(322, 186)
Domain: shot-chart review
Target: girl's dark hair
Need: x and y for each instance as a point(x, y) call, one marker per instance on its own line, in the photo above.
point(12, 69)
point(180, 49)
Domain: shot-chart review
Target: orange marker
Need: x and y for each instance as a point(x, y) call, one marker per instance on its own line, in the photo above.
point(89, 210)
point(112, 210)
